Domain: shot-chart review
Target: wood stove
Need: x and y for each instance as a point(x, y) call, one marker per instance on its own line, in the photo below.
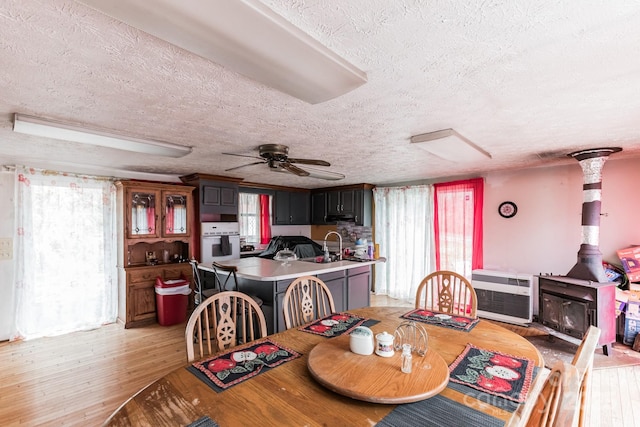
point(570, 306)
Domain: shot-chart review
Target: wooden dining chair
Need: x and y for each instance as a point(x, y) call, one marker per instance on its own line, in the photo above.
point(222, 321)
point(307, 298)
point(583, 361)
point(553, 401)
point(447, 292)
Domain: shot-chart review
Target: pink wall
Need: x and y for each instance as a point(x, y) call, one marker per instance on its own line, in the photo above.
point(545, 235)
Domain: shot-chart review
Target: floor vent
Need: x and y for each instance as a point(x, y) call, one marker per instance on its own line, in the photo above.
point(504, 296)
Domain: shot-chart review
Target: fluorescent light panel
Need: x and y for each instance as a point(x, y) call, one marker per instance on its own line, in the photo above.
point(95, 170)
point(450, 145)
point(247, 37)
point(67, 132)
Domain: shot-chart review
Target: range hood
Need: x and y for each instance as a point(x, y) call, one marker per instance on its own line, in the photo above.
point(340, 217)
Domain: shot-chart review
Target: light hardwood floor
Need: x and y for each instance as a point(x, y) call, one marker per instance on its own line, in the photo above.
point(79, 379)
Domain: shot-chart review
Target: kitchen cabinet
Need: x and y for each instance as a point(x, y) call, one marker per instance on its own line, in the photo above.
point(318, 208)
point(219, 198)
point(349, 288)
point(291, 208)
point(341, 202)
point(216, 198)
point(358, 287)
point(335, 281)
point(353, 202)
point(139, 303)
point(350, 285)
point(155, 223)
point(156, 211)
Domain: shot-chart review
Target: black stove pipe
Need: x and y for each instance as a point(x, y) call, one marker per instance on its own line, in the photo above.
point(589, 265)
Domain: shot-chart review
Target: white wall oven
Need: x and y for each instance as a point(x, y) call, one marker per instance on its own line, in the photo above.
point(220, 241)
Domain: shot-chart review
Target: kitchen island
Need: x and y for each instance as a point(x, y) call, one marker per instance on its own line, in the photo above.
point(348, 281)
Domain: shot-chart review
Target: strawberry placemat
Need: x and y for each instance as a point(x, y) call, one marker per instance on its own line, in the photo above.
point(241, 363)
point(493, 372)
point(460, 323)
point(334, 324)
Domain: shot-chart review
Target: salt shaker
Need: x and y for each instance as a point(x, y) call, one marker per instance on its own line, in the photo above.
point(406, 358)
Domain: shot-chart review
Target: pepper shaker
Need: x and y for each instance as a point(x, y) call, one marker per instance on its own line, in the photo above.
point(406, 359)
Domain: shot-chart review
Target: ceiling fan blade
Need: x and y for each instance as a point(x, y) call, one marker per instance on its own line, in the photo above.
point(293, 169)
point(241, 166)
point(309, 162)
point(325, 174)
point(316, 173)
point(242, 155)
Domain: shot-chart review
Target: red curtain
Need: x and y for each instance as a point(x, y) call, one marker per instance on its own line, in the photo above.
point(265, 219)
point(458, 224)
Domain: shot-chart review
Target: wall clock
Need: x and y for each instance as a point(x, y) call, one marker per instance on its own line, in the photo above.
point(507, 209)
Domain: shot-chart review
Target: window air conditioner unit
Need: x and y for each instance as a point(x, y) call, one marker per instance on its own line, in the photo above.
point(504, 296)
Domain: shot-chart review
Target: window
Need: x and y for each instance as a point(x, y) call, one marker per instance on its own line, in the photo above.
point(250, 217)
point(458, 225)
point(255, 217)
point(66, 278)
point(404, 232)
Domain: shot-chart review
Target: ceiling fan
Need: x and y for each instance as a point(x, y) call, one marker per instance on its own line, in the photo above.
point(276, 156)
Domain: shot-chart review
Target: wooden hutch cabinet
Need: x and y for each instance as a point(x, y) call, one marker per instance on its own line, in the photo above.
point(155, 223)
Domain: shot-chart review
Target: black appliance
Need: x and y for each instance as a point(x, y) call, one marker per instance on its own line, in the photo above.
point(279, 243)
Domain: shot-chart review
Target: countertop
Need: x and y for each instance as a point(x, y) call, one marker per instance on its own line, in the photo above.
point(267, 270)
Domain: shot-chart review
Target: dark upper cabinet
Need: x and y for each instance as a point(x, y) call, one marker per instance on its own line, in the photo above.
point(216, 200)
point(299, 206)
point(318, 208)
point(341, 202)
point(222, 197)
point(352, 203)
point(291, 208)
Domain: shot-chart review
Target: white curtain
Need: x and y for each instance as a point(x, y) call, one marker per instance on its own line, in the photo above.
point(404, 231)
point(66, 276)
point(249, 207)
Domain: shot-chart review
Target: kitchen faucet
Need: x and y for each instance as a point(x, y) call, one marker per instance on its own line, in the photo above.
point(339, 238)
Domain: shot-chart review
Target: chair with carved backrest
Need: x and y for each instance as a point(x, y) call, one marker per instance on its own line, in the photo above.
point(222, 321)
point(307, 298)
point(554, 400)
point(447, 292)
point(583, 361)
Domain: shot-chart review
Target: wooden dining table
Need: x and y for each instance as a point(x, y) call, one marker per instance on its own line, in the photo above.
point(288, 394)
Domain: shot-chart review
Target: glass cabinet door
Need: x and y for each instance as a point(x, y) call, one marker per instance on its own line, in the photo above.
point(143, 214)
point(175, 214)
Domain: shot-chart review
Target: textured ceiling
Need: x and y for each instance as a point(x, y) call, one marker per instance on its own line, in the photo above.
point(527, 81)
